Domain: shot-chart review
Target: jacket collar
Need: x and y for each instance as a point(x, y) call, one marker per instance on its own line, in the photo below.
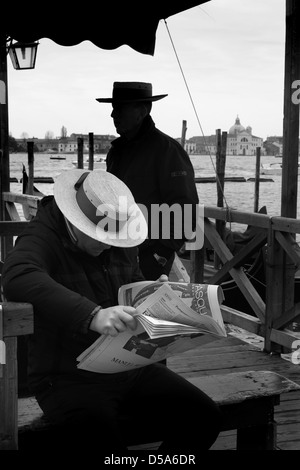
point(147, 126)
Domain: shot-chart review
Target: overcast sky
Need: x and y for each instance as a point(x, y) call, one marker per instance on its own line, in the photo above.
point(231, 53)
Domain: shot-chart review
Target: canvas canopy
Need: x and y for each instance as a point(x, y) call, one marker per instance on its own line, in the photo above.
point(108, 24)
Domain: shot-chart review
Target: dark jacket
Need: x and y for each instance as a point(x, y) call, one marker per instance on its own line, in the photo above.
point(64, 285)
point(158, 171)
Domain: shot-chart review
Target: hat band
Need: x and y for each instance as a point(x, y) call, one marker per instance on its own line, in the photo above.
point(131, 94)
point(93, 213)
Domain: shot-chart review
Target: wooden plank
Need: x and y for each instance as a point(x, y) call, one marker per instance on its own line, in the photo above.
point(290, 246)
point(246, 287)
point(9, 399)
point(286, 224)
point(289, 316)
point(239, 386)
point(243, 320)
point(9, 228)
point(274, 285)
point(12, 211)
point(197, 266)
point(284, 339)
point(218, 362)
point(287, 416)
point(2, 344)
point(17, 319)
point(238, 260)
point(226, 441)
point(21, 198)
point(28, 408)
point(233, 216)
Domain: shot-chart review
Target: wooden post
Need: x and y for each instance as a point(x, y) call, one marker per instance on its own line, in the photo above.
point(220, 170)
point(220, 166)
point(289, 186)
point(257, 174)
point(30, 167)
point(79, 152)
point(291, 112)
point(197, 266)
point(4, 146)
point(183, 133)
point(91, 151)
point(9, 394)
point(275, 283)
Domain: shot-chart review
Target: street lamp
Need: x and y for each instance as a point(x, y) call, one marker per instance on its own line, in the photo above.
point(23, 55)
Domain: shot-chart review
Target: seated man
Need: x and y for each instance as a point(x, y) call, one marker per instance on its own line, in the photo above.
point(69, 264)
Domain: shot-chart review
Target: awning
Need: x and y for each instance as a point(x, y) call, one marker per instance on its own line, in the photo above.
point(108, 24)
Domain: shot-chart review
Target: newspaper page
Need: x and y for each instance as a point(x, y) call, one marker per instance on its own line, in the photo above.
point(193, 304)
point(134, 349)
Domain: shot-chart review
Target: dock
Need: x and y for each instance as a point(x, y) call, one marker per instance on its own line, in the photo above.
point(213, 179)
point(41, 179)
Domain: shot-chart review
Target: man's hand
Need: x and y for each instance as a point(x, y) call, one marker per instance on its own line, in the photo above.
point(114, 320)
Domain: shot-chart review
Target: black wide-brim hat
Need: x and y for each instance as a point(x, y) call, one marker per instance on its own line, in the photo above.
point(126, 92)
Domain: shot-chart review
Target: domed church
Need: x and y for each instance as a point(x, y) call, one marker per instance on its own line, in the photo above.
point(240, 140)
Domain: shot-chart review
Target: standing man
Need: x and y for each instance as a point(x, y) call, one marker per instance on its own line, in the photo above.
point(158, 172)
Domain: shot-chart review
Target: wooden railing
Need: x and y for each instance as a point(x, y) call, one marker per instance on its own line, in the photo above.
point(282, 261)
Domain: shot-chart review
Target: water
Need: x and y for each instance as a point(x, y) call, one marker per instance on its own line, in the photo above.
point(239, 196)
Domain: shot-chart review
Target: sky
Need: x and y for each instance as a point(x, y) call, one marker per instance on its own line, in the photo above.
point(231, 53)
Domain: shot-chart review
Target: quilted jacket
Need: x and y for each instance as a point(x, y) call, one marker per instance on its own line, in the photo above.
point(64, 285)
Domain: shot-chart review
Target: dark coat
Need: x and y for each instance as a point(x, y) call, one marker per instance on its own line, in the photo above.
point(158, 171)
point(64, 285)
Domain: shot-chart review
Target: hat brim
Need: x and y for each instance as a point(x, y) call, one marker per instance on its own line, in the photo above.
point(65, 197)
point(114, 100)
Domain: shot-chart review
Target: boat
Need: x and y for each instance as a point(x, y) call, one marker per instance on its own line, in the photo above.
point(272, 168)
point(99, 163)
point(57, 158)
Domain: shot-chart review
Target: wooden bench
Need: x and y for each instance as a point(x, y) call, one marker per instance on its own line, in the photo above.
point(247, 400)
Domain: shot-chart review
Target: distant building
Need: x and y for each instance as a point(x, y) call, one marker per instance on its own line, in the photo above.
point(241, 141)
point(201, 145)
point(190, 147)
point(40, 145)
point(273, 146)
point(102, 144)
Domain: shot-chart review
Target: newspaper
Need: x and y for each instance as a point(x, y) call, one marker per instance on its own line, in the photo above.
point(172, 317)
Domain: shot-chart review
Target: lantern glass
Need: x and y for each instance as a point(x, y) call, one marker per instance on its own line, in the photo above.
point(23, 55)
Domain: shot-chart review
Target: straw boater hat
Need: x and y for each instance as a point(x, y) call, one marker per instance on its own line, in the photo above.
point(126, 92)
point(100, 205)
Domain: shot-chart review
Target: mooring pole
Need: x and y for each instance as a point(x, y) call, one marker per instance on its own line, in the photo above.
point(256, 184)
